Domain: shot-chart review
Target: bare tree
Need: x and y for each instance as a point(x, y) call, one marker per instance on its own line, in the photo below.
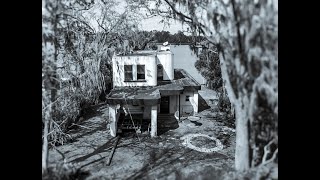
point(73, 55)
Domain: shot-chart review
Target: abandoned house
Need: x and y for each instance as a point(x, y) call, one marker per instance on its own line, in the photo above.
point(148, 91)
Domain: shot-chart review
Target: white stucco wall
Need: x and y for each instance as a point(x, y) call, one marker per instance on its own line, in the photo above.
point(150, 70)
point(186, 106)
point(166, 58)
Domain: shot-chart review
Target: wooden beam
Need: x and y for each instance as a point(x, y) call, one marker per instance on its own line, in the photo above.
point(112, 151)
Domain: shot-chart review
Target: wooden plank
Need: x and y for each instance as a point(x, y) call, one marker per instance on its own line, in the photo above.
point(112, 152)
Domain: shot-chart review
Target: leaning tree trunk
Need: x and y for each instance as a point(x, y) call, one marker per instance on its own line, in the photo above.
point(50, 83)
point(242, 158)
point(45, 151)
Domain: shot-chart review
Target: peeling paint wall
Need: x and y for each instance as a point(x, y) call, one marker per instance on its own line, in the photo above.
point(150, 61)
point(150, 70)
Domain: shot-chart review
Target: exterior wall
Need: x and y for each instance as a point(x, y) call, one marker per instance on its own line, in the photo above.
point(166, 59)
point(147, 112)
point(186, 106)
point(113, 116)
point(174, 104)
point(150, 70)
point(164, 48)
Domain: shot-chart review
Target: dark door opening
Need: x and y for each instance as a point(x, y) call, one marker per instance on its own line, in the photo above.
point(164, 105)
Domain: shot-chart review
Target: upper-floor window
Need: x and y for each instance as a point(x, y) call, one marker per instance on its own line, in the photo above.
point(141, 72)
point(159, 72)
point(134, 73)
point(128, 76)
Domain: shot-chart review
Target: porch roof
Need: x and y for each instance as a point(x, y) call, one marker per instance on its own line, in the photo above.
point(142, 95)
point(147, 95)
point(134, 96)
point(170, 89)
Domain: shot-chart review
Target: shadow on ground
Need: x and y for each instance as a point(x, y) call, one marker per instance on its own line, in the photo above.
point(177, 159)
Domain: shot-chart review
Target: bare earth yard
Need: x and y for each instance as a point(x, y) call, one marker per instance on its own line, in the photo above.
point(142, 157)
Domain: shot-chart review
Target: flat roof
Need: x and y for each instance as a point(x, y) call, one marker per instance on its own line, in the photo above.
point(145, 53)
point(140, 95)
point(137, 54)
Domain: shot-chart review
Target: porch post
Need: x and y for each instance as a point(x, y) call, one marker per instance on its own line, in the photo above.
point(179, 107)
point(113, 120)
point(154, 114)
point(196, 100)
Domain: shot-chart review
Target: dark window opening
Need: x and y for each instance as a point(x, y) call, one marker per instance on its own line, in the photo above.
point(128, 73)
point(159, 72)
point(141, 72)
point(187, 98)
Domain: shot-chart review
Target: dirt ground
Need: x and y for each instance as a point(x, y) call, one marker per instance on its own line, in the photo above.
point(138, 156)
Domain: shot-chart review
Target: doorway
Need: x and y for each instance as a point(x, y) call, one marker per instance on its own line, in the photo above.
point(164, 105)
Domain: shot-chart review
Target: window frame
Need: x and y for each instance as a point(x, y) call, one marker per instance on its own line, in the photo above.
point(128, 72)
point(141, 74)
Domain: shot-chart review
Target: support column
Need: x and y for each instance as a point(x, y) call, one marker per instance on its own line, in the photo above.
point(154, 116)
point(113, 120)
point(179, 108)
point(196, 100)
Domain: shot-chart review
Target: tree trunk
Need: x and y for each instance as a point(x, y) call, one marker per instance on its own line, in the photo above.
point(45, 146)
point(242, 134)
point(242, 140)
point(47, 118)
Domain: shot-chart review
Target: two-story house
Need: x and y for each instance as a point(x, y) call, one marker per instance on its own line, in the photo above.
point(146, 87)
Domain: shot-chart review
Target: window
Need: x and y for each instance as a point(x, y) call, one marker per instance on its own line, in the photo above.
point(187, 98)
point(160, 72)
point(128, 73)
point(141, 72)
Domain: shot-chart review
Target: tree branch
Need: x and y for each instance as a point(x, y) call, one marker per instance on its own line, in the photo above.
point(271, 159)
point(239, 37)
point(178, 13)
point(92, 30)
point(266, 150)
point(101, 26)
point(225, 75)
point(198, 25)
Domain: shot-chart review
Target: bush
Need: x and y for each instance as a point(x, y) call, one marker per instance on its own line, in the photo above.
point(224, 103)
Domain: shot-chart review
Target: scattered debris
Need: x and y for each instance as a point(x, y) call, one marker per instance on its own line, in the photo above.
point(193, 118)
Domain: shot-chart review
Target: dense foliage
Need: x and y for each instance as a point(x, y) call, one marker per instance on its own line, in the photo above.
point(76, 60)
point(208, 65)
